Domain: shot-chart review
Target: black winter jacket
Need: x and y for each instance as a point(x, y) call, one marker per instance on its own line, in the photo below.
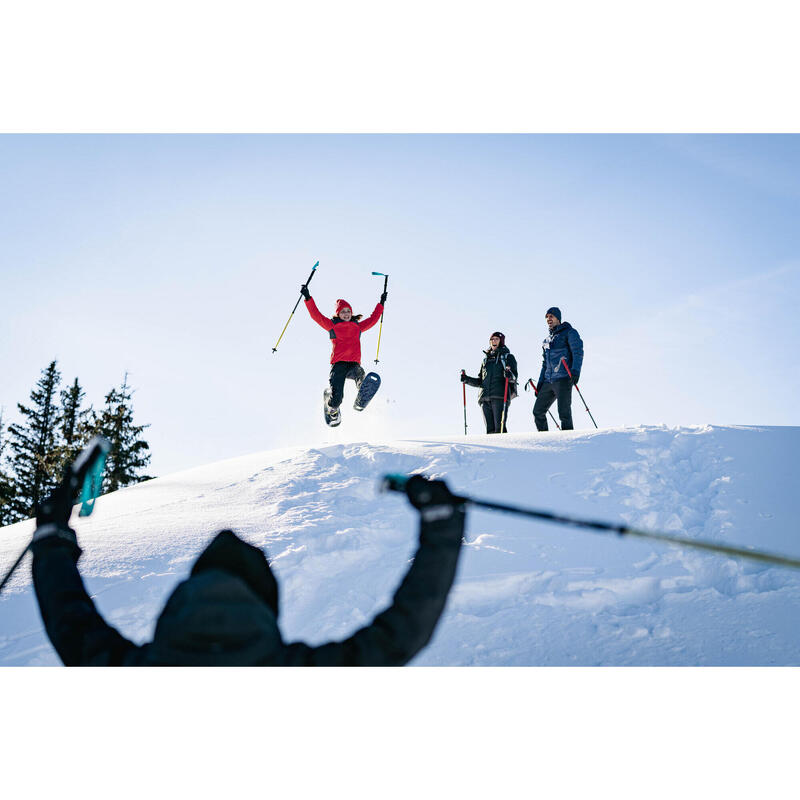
point(491, 378)
point(225, 613)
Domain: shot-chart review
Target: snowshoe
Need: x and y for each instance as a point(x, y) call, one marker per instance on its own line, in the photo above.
point(370, 385)
point(333, 416)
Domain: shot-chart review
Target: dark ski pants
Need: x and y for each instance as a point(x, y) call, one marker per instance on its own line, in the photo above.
point(493, 414)
point(560, 390)
point(340, 371)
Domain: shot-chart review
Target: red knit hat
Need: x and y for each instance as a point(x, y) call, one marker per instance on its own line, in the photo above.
point(340, 304)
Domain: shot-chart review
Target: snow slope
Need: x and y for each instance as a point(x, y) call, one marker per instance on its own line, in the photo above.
point(527, 593)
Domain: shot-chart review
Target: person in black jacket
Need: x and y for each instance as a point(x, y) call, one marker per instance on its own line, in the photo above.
point(226, 612)
point(497, 367)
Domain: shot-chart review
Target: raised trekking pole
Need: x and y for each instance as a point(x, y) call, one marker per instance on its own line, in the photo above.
point(313, 270)
point(569, 372)
point(380, 329)
point(85, 474)
point(397, 483)
point(536, 392)
point(464, 393)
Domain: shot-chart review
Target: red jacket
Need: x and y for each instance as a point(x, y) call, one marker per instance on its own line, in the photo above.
point(345, 336)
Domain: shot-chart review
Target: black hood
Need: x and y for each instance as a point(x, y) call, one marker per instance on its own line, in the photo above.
point(225, 613)
point(229, 553)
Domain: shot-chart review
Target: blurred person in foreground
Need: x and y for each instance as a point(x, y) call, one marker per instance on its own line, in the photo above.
point(226, 612)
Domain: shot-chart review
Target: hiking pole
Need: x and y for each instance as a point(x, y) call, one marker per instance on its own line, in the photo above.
point(380, 329)
point(464, 392)
point(86, 474)
point(313, 270)
point(569, 372)
point(536, 392)
point(505, 409)
point(397, 483)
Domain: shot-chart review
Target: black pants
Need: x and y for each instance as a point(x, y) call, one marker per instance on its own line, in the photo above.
point(340, 371)
point(558, 390)
point(493, 414)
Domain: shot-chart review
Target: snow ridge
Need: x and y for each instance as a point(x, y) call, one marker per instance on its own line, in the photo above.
point(527, 593)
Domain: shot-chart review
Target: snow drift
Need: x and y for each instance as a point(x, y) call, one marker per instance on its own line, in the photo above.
point(526, 593)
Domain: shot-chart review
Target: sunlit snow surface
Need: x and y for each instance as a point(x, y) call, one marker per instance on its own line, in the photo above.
point(526, 593)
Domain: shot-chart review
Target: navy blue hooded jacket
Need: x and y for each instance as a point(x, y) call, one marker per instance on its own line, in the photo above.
point(562, 342)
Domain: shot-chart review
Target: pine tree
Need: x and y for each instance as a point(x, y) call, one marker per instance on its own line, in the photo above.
point(35, 444)
point(7, 513)
point(76, 424)
point(128, 454)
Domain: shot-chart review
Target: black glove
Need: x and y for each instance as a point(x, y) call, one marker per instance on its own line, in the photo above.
point(57, 507)
point(383, 298)
point(52, 517)
point(509, 373)
point(575, 377)
point(423, 493)
point(463, 376)
point(304, 291)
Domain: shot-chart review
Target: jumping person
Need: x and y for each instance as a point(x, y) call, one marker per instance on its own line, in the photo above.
point(226, 612)
point(563, 342)
point(345, 331)
point(498, 365)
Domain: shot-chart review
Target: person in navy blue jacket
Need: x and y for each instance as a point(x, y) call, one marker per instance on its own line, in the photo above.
point(561, 344)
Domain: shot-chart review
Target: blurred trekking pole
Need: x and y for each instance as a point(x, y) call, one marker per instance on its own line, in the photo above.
point(313, 270)
point(396, 482)
point(85, 474)
point(464, 393)
point(569, 372)
point(383, 299)
point(536, 392)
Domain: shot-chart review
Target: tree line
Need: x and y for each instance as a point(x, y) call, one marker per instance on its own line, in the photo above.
point(54, 428)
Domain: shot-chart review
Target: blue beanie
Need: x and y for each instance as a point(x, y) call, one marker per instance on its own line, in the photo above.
point(555, 311)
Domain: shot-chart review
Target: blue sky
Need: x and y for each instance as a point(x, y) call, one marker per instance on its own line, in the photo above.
point(178, 258)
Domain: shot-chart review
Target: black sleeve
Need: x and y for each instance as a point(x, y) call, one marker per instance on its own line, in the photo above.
point(477, 382)
point(512, 362)
point(396, 635)
point(78, 633)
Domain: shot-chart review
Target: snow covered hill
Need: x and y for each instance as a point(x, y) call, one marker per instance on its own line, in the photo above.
point(527, 593)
